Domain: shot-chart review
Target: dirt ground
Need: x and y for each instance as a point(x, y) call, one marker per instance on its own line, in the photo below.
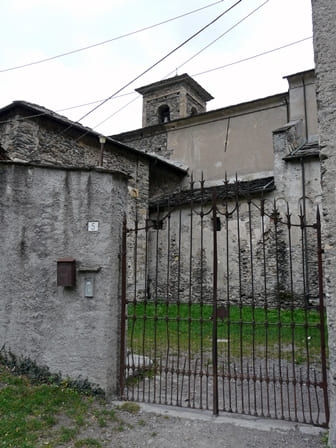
point(169, 427)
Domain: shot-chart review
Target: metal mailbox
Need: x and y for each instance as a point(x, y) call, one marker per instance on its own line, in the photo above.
point(66, 272)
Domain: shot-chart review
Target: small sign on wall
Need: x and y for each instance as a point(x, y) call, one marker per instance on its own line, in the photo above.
point(93, 226)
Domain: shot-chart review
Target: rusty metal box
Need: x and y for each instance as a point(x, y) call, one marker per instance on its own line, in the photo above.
point(66, 272)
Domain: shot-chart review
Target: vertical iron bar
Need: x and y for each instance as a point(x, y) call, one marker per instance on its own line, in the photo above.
point(146, 298)
point(261, 391)
point(194, 384)
point(167, 304)
point(267, 378)
point(306, 306)
point(279, 323)
point(274, 394)
point(214, 308)
point(178, 304)
point(201, 298)
point(228, 297)
point(248, 388)
point(253, 310)
point(317, 421)
point(155, 317)
point(288, 396)
point(302, 399)
point(123, 308)
point(235, 387)
point(190, 289)
point(322, 317)
point(172, 381)
point(240, 304)
point(293, 327)
point(223, 386)
point(207, 374)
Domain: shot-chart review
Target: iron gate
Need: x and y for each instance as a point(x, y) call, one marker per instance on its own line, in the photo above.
point(222, 306)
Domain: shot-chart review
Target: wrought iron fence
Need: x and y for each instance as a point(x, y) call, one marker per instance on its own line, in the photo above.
point(223, 306)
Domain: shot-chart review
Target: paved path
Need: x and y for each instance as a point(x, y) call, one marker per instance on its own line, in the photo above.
point(170, 427)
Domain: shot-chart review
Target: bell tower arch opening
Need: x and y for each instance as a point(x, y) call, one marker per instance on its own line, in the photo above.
point(171, 99)
point(163, 114)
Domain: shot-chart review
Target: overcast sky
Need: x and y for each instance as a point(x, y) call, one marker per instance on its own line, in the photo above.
point(36, 29)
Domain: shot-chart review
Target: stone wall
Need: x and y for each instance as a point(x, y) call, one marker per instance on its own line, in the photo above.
point(41, 140)
point(324, 19)
point(44, 215)
point(260, 256)
point(149, 140)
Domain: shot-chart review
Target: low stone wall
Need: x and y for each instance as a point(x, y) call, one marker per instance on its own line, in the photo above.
point(44, 215)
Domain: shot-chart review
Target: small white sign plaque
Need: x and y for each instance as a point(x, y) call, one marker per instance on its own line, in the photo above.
point(93, 226)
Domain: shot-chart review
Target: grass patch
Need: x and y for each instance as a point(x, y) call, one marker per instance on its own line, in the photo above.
point(28, 410)
point(187, 328)
point(67, 434)
point(36, 415)
point(130, 406)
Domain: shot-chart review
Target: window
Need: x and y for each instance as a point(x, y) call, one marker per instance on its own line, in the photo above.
point(164, 113)
point(193, 111)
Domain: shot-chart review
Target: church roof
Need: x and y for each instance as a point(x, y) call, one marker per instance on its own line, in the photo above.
point(179, 79)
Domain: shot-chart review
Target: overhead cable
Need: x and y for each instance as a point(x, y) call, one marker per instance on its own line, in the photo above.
point(239, 61)
point(104, 42)
point(188, 60)
point(252, 57)
point(155, 64)
point(220, 37)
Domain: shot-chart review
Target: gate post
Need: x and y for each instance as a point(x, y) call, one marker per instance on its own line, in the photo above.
point(214, 307)
point(322, 316)
point(123, 308)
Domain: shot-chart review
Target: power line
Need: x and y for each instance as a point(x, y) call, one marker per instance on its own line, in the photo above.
point(195, 55)
point(253, 57)
point(188, 60)
point(88, 47)
point(64, 109)
point(222, 35)
point(114, 113)
point(93, 102)
point(155, 64)
point(239, 61)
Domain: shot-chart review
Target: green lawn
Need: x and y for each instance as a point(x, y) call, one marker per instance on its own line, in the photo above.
point(35, 415)
point(187, 328)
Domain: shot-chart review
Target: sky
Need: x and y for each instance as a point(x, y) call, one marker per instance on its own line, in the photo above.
point(32, 30)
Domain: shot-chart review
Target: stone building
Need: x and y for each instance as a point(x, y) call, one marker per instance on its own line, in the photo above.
point(62, 207)
point(32, 133)
point(270, 144)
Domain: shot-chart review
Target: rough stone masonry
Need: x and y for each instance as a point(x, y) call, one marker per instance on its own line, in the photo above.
point(324, 19)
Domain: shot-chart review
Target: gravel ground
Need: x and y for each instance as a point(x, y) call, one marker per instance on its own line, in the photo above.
point(169, 427)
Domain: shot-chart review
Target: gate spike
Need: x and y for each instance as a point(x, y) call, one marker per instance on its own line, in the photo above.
point(318, 215)
point(225, 178)
point(192, 181)
point(202, 180)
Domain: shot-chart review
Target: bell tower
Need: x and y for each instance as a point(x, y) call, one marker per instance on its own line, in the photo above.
point(171, 99)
